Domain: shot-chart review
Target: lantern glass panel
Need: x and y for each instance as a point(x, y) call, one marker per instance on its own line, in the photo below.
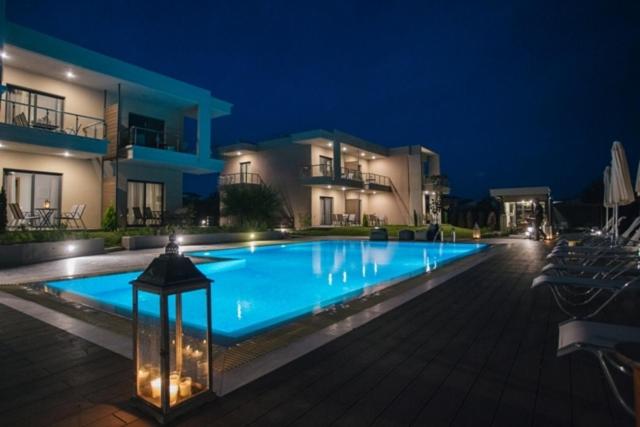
point(148, 347)
point(189, 348)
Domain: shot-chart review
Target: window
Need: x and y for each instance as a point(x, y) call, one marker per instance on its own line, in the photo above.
point(27, 107)
point(32, 190)
point(145, 203)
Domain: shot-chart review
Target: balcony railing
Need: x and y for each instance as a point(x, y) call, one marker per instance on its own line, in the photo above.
point(51, 120)
point(159, 139)
point(436, 181)
point(324, 170)
point(375, 179)
point(240, 178)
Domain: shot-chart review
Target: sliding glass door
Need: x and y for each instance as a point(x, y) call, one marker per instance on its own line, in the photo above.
point(145, 203)
point(34, 192)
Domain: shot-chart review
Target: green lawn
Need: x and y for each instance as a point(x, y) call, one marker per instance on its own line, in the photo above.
point(461, 233)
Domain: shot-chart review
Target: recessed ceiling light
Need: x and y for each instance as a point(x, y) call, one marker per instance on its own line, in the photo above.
point(66, 154)
point(373, 157)
point(362, 154)
point(329, 187)
point(344, 188)
point(1, 145)
point(330, 144)
point(70, 74)
point(239, 153)
point(4, 55)
point(374, 192)
point(362, 191)
point(344, 148)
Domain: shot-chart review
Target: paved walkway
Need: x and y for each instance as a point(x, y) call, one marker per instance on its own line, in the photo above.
point(478, 350)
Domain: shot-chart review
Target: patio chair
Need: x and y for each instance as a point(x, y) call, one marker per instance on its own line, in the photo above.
point(599, 339)
point(406, 235)
point(379, 234)
point(573, 294)
point(138, 218)
point(21, 120)
point(20, 217)
point(150, 215)
point(68, 216)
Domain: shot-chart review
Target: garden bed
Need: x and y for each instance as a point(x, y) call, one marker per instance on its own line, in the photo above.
point(18, 254)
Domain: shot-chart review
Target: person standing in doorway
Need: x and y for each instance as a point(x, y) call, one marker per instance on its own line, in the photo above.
point(539, 218)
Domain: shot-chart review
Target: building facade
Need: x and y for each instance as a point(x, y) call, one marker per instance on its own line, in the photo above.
point(326, 176)
point(80, 128)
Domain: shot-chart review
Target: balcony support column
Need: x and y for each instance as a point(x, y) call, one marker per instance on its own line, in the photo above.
point(337, 160)
point(204, 130)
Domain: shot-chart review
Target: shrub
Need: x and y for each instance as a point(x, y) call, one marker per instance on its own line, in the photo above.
point(110, 219)
point(252, 205)
point(365, 220)
point(3, 211)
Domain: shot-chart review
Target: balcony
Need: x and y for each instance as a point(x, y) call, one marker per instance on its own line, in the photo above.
point(243, 178)
point(158, 139)
point(323, 174)
point(436, 184)
point(23, 123)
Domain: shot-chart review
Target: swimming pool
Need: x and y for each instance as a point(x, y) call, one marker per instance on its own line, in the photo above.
point(258, 287)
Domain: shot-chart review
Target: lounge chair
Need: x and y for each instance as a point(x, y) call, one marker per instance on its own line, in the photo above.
point(599, 339)
point(150, 216)
point(573, 293)
point(138, 218)
point(20, 218)
point(406, 235)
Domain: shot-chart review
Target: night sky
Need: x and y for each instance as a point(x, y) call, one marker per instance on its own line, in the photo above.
point(528, 92)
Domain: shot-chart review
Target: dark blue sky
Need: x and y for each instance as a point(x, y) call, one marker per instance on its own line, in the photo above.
point(510, 93)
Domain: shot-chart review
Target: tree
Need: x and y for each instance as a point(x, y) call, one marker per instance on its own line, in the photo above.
point(109, 219)
point(252, 205)
point(3, 211)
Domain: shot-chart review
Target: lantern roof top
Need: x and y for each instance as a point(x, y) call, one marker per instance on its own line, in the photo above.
point(171, 270)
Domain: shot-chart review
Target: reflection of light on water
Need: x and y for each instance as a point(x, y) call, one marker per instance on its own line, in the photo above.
point(375, 268)
point(364, 271)
point(330, 279)
point(344, 277)
point(252, 248)
point(71, 266)
point(241, 307)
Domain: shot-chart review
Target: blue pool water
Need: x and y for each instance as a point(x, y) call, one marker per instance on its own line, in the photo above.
point(258, 287)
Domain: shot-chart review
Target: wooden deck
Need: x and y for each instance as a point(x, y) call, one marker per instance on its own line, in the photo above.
point(478, 350)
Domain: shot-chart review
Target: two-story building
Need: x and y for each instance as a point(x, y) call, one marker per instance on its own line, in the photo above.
point(330, 177)
point(80, 128)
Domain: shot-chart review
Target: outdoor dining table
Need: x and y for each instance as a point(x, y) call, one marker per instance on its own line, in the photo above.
point(45, 215)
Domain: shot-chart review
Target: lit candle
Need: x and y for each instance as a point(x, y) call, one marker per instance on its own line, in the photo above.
point(155, 388)
point(174, 380)
point(185, 387)
point(196, 354)
point(143, 377)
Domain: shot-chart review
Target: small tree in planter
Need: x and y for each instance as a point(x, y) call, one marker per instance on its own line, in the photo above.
point(110, 220)
point(365, 220)
point(3, 211)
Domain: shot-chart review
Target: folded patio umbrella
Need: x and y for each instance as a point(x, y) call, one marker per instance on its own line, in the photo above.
point(621, 187)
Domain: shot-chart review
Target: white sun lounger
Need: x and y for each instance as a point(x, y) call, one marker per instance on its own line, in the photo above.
point(598, 339)
point(573, 292)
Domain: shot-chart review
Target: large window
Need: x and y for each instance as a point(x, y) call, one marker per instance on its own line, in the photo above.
point(27, 107)
point(145, 203)
point(146, 131)
point(33, 190)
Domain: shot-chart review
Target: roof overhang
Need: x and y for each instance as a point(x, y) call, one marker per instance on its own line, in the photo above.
point(518, 194)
